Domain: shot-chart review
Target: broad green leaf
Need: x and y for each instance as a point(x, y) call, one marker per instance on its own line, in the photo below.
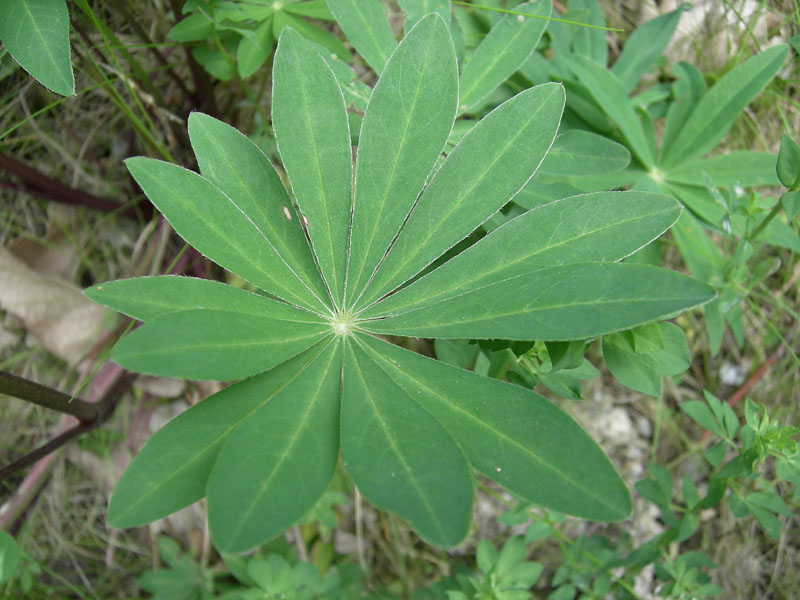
point(242, 171)
point(644, 47)
point(171, 470)
point(746, 168)
point(211, 222)
point(387, 444)
point(216, 344)
point(788, 167)
point(687, 90)
point(722, 104)
point(790, 201)
point(145, 298)
point(604, 226)
point(313, 137)
point(504, 50)
point(580, 153)
point(569, 302)
point(365, 25)
point(590, 42)
point(511, 435)
point(480, 175)
point(636, 371)
point(214, 62)
point(406, 125)
point(416, 9)
point(36, 34)
point(610, 94)
point(276, 464)
point(769, 501)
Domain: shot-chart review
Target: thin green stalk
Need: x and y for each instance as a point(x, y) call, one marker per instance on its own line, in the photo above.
point(775, 210)
point(516, 12)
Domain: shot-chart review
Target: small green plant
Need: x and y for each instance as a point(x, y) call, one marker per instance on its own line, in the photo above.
point(410, 429)
point(238, 37)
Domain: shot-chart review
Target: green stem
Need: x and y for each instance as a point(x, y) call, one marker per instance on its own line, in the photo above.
point(775, 210)
point(516, 12)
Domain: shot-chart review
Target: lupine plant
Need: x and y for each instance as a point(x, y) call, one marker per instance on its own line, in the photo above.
point(353, 256)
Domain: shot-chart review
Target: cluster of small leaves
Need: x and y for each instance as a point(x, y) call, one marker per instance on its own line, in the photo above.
point(239, 37)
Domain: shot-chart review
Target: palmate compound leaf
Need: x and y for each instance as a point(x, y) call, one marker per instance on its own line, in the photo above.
point(410, 428)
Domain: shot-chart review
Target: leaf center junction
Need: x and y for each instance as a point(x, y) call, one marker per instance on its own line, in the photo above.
point(342, 323)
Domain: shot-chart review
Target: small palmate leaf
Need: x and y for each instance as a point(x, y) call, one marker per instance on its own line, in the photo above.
point(274, 466)
point(511, 435)
point(171, 470)
point(388, 441)
point(216, 344)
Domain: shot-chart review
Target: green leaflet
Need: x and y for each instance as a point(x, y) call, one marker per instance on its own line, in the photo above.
point(36, 34)
point(365, 25)
point(315, 149)
point(387, 444)
point(214, 344)
point(511, 435)
point(507, 46)
point(275, 465)
point(145, 298)
point(242, 171)
point(590, 43)
point(486, 169)
point(569, 302)
point(416, 9)
point(577, 152)
point(746, 168)
point(610, 94)
point(218, 228)
point(644, 47)
point(719, 107)
point(171, 470)
point(406, 125)
point(581, 228)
